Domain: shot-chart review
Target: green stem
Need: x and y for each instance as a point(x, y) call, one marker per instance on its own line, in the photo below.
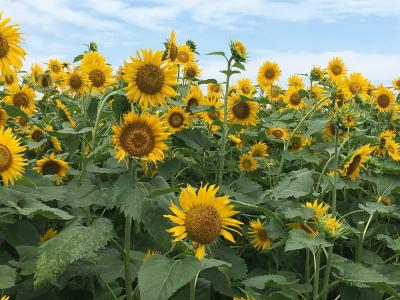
point(127, 258)
point(193, 289)
point(307, 267)
point(225, 126)
point(360, 243)
point(317, 259)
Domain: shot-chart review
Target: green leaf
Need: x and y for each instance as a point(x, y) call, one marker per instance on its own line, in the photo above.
point(393, 244)
point(194, 138)
point(92, 108)
point(92, 168)
point(239, 66)
point(72, 130)
point(78, 58)
point(207, 81)
point(297, 184)
point(71, 244)
point(170, 168)
point(14, 111)
point(259, 282)
point(384, 183)
point(298, 239)
point(221, 53)
point(7, 277)
point(304, 94)
point(238, 269)
point(120, 105)
point(32, 207)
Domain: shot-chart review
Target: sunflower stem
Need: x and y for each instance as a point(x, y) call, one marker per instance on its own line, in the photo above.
point(307, 267)
point(127, 258)
point(193, 289)
point(225, 125)
point(317, 258)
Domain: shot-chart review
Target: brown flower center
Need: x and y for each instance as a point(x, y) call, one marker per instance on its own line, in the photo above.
point(21, 100)
point(262, 235)
point(336, 70)
point(183, 57)
point(355, 88)
point(4, 47)
point(191, 72)
point(245, 89)
point(173, 52)
point(137, 139)
point(277, 133)
point(37, 135)
point(55, 68)
point(5, 158)
point(296, 145)
point(45, 81)
point(9, 79)
point(269, 73)
point(295, 99)
point(247, 164)
point(97, 77)
point(176, 120)
point(383, 101)
point(354, 165)
point(75, 81)
point(150, 79)
point(241, 110)
point(203, 224)
point(193, 102)
point(51, 167)
point(398, 83)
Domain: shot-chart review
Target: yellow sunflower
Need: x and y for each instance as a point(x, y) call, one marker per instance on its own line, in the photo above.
point(172, 48)
point(358, 85)
point(387, 134)
point(295, 81)
point(36, 133)
point(52, 165)
point(278, 133)
point(393, 149)
point(299, 142)
point(349, 119)
point(192, 70)
point(11, 54)
point(268, 73)
point(214, 90)
point(245, 87)
point(385, 200)
point(242, 112)
point(36, 73)
point(384, 99)
point(9, 77)
point(259, 149)
point(213, 114)
point(247, 163)
point(76, 82)
point(23, 98)
point(343, 95)
point(396, 83)
point(329, 131)
point(150, 80)
point(5, 297)
point(203, 217)
point(66, 113)
point(274, 93)
point(317, 73)
point(55, 66)
point(336, 69)
point(185, 55)
point(149, 253)
point(49, 234)
point(12, 162)
point(353, 167)
point(318, 93)
point(293, 99)
point(259, 235)
point(319, 209)
point(3, 117)
point(176, 118)
point(235, 139)
point(331, 225)
point(194, 97)
point(140, 136)
point(98, 71)
point(53, 139)
point(238, 51)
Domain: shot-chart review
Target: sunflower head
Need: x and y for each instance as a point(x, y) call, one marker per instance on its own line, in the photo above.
point(49, 234)
point(203, 217)
point(242, 112)
point(259, 235)
point(36, 133)
point(76, 82)
point(319, 209)
point(358, 85)
point(238, 51)
point(317, 73)
point(293, 99)
point(384, 99)
point(295, 81)
point(52, 165)
point(193, 98)
point(55, 66)
point(279, 133)
point(393, 149)
point(299, 142)
point(66, 113)
point(176, 118)
point(396, 83)
point(235, 139)
point(214, 113)
point(3, 117)
point(259, 149)
point(192, 70)
point(9, 77)
point(98, 71)
point(23, 98)
point(331, 225)
point(274, 93)
point(140, 136)
point(247, 163)
point(5, 297)
point(356, 162)
point(185, 55)
point(336, 69)
point(172, 48)
point(214, 90)
point(268, 73)
point(245, 87)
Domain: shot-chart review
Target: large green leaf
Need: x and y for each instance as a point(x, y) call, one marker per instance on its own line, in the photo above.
point(259, 282)
point(71, 244)
point(297, 184)
point(32, 207)
point(7, 276)
point(298, 239)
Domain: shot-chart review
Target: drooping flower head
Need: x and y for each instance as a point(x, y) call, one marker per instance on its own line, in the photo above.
point(259, 235)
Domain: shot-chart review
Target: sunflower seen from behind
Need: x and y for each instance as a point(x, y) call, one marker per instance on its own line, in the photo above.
point(52, 165)
point(12, 161)
point(176, 118)
point(355, 164)
point(238, 51)
point(259, 235)
point(98, 71)
point(150, 79)
point(242, 112)
point(267, 74)
point(140, 136)
point(203, 217)
point(23, 98)
point(172, 47)
point(11, 53)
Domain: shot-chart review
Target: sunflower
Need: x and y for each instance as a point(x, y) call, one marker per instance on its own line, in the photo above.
point(36, 73)
point(185, 55)
point(245, 87)
point(55, 66)
point(49, 234)
point(99, 73)
point(259, 149)
point(329, 131)
point(9, 77)
point(331, 225)
point(12, 162)
point(11, 54)
point(3, 117)
point(342, 94)
point(140, 136)
point(278, 133)
point(52, 165)
point(384, 99)
point(192, 70)
point(385, 200)
point(393, 149)
point(299, 142)
point(268, 73)
point(317, 73)
point(358, 85)
point(247, 163)
point(353, 167)
point(36, 133)
point(293, 99)
point(5, 297)
point(238, 51)
point(319, 209)
point(214, 113)
point(318, 93)
point(336, 69)
point(76, 82)
point(23, 98)
point(349, 120)
point(260, 239)
point(176, 119)
point(172, 48)
point(242, 112)
point(295, 81)
point(274, 93)
point(387, 134)
point(310, 227)
point(66, 113)
point(235, 139)
point(150, 79)
point(396, 83)
point(214, 90)
point(203, 217)
point(149, 253)
point(194, 97)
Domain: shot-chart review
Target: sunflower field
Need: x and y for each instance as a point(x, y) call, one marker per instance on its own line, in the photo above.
point(150, 182)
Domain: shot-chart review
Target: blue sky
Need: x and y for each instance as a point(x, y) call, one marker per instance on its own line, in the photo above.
point(295, 33)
